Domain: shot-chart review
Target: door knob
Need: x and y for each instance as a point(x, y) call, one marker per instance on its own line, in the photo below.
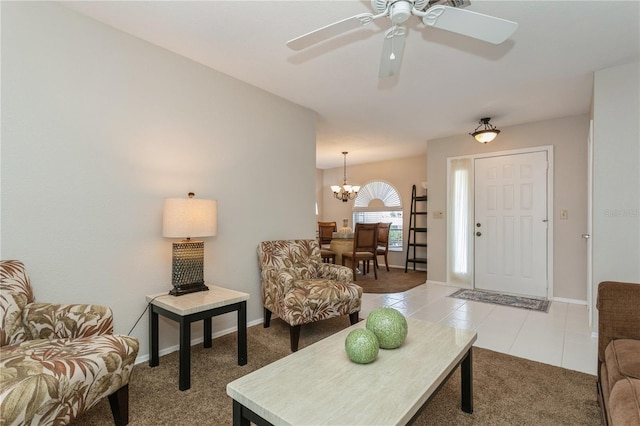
point(478, 233)
point(586, 236)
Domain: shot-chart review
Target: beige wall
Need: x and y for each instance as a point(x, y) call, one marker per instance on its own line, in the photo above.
point(98, 127)
point(616, 172)
point(401, 173)
point(568, 136)
point(319, 197)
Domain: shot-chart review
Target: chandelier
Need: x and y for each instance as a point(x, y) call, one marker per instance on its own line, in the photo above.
point(487, 134)
point(345, 192)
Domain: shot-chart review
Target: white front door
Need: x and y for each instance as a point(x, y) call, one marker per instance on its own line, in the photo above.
point(511, 224)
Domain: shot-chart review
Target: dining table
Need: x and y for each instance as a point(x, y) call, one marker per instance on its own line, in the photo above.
point(341, 243)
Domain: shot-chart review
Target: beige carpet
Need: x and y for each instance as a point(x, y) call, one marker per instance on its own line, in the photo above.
point(394, 281)
point(507, 390)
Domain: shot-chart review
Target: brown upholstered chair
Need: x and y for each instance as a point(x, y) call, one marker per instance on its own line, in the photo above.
point(383, 242)
point(365, 244)
point(619, 352)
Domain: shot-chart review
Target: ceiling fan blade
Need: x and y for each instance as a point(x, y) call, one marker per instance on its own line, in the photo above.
point(331, 30)
point(471, 24)
point(392, 51)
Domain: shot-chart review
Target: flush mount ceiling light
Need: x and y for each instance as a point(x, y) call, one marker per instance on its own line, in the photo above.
point(487, 134)
point(345, 192)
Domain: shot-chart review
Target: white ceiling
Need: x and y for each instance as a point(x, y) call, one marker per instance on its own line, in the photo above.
point(447, 81)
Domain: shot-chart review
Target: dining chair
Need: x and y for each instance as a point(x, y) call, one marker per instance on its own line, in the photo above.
point(328, 256)
point(325, 234)
point(383, 242)
point(365, 244)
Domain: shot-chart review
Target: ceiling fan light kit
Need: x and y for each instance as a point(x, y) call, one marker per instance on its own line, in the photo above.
point(400, 11)
point(441, 14)
point(487, 134)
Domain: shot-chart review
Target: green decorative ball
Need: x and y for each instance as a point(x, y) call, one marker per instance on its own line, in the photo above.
point(389, 326)
point(361, 346)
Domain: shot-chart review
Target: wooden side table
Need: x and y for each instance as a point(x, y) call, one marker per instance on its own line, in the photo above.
point(193, 307)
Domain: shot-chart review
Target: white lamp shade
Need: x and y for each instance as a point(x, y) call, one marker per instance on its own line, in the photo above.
point(189, 217)
point(485, 136)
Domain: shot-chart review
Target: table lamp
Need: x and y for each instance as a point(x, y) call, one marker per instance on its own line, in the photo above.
point(187, 218)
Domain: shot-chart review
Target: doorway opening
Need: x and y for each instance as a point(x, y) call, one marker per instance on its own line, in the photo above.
point(499, 226)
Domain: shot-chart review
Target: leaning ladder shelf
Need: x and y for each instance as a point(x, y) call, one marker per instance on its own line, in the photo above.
point(417, 238)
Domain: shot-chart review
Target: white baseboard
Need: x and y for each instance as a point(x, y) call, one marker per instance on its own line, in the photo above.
point(145, 357)
point(402, 267)
point(572, 301)
point(448, 284)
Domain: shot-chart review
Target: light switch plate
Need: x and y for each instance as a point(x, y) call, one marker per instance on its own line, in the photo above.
point(564, 214)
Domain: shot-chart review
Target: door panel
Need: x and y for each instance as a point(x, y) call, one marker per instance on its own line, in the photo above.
point(511, 224)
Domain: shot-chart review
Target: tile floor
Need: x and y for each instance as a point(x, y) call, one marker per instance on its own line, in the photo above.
point(561, 337)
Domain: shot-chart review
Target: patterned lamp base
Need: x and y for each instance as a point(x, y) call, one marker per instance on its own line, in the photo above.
point(188, 268)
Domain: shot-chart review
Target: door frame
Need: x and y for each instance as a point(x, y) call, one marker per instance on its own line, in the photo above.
point(589, 234)
point(550, 224)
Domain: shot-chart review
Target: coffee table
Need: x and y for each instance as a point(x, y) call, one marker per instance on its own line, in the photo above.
point(193, 307)
point(319, 385)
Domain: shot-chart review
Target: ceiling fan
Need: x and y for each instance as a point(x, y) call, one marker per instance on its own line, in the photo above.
point(433, 13)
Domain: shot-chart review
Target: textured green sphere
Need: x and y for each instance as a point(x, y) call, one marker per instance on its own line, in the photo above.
point(361, 346)
point(389, 326)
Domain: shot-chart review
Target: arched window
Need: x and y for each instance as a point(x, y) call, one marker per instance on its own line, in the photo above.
point(379, 201)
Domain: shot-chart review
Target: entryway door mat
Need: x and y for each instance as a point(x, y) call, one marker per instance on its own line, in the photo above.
point(503, 299)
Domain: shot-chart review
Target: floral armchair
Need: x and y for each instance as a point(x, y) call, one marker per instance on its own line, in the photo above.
point(57, 361)
point(299, 288)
